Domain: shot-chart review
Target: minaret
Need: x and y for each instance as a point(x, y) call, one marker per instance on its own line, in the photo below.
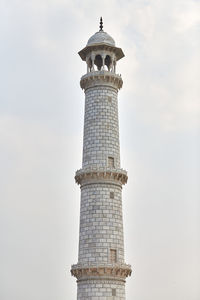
point(101, 271)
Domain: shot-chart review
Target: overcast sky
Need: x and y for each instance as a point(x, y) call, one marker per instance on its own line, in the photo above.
point(41, 128)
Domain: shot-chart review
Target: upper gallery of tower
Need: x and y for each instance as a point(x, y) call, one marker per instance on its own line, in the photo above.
point(100, 53)
point(101, 147)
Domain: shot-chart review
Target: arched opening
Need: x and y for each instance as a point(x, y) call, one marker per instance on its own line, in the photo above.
point(98, 62)
point(108, 62)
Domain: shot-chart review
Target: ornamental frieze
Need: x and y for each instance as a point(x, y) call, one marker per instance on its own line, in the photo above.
point(101, 78)
point(115, 271)
point(86, 176)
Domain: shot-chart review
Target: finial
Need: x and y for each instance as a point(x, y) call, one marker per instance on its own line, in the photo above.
point(101, 24)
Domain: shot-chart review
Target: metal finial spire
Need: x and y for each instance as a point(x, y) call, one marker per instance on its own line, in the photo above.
point(101, 24)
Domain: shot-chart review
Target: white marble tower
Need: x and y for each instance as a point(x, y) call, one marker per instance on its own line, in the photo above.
point(101, 271)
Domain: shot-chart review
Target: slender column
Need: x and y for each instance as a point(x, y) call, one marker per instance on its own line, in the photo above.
point(101, 271)
point(103, 59)
point(92, 58)
point(87, 62)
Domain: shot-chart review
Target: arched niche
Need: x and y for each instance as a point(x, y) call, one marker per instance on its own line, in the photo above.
point(98, 61)
point(108, 62)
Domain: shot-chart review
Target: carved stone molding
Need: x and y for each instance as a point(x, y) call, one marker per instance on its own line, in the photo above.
point(115, 272)
point(101, 78)
point(102, 279)
point(115, 176)
point(88, 49)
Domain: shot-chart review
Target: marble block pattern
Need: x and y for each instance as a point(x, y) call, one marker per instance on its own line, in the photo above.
point(101, 130)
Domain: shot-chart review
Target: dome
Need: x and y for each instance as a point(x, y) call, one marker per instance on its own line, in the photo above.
point(101, 37)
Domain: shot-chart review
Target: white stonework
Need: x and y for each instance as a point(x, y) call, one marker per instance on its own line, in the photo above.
point(101, 37)
point(101, 134)
point(101, 289)
point(101, 270)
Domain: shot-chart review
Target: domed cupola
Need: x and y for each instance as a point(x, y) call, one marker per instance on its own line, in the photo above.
point(100, 52)
point(101, 37)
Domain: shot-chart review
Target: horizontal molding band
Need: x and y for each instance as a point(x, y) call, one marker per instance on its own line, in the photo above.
point(117, 176)
point(101, 78)
point(92, 182)
point(103, 279)
point(120, 271)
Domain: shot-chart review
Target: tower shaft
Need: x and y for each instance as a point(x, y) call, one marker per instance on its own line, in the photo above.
point(101, 270)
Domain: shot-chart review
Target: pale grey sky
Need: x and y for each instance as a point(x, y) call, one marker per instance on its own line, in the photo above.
point(41, 127)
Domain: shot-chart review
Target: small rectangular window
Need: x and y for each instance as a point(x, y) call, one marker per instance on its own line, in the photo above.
point(109, 99)
point(111, 195)
point(113, 255)
point(111, 162)
point(113, 292)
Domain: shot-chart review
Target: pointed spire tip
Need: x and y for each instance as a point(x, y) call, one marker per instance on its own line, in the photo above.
point(101, 24)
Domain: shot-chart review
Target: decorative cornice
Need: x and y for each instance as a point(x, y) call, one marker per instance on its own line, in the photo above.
point(115, 271)
point(101, 46)
point(84, 177)
point(99, 78)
